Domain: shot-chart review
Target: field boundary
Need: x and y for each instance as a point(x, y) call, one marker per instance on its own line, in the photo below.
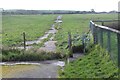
point(102, 34)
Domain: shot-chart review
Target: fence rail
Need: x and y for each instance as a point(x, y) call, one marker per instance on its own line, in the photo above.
point(108, 38)
point(105, 20)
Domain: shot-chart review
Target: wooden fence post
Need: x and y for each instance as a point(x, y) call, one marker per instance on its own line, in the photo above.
point(108, 41)
point(70, 44)
point(102, 23)
point(95, 35)
point(24, 40)
point(118, 37)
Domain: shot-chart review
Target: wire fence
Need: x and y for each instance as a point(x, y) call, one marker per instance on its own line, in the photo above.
point(107, 37)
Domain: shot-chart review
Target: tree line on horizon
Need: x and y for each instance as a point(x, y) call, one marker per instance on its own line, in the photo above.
point(28, 12)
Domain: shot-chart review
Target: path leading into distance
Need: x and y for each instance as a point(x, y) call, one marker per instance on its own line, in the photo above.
point(40, 69)
point(48, 46)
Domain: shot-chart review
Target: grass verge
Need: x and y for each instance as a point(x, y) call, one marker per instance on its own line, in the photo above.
point(31, 55)
point(95, 64)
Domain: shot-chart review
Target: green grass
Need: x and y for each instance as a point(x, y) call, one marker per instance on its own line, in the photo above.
point(95, 64)
point(114, 45)
point(29, 55)
point(113, 42)
point(36, 25)
point(33, 25)
point(77, 24)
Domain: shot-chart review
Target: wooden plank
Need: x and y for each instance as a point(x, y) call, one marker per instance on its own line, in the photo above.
point(105, 20)
point(107, 28)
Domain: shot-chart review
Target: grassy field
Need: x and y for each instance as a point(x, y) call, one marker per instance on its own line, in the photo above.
point(77, 24)
point(34, 26)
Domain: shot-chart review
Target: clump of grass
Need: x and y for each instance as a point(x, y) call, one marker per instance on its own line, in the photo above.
point(95, 64)
point(30, 55)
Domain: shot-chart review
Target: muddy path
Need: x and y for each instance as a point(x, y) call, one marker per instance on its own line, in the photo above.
point(29, 44)
point(50, 44)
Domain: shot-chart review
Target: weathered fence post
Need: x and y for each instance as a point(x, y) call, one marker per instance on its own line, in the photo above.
point(84, 42)
point(70, 44)
point(108, 41)
point(95, 36)
point(102, 23)
point(24, 41)
point(118, 37)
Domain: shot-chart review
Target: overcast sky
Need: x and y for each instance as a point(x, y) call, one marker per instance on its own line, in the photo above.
point(82, 5)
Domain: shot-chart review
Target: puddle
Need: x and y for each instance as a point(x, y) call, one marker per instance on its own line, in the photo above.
point(18, 63)
point(37, 41)
point(55, 62)
point(27, 47)
point(60, 63)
